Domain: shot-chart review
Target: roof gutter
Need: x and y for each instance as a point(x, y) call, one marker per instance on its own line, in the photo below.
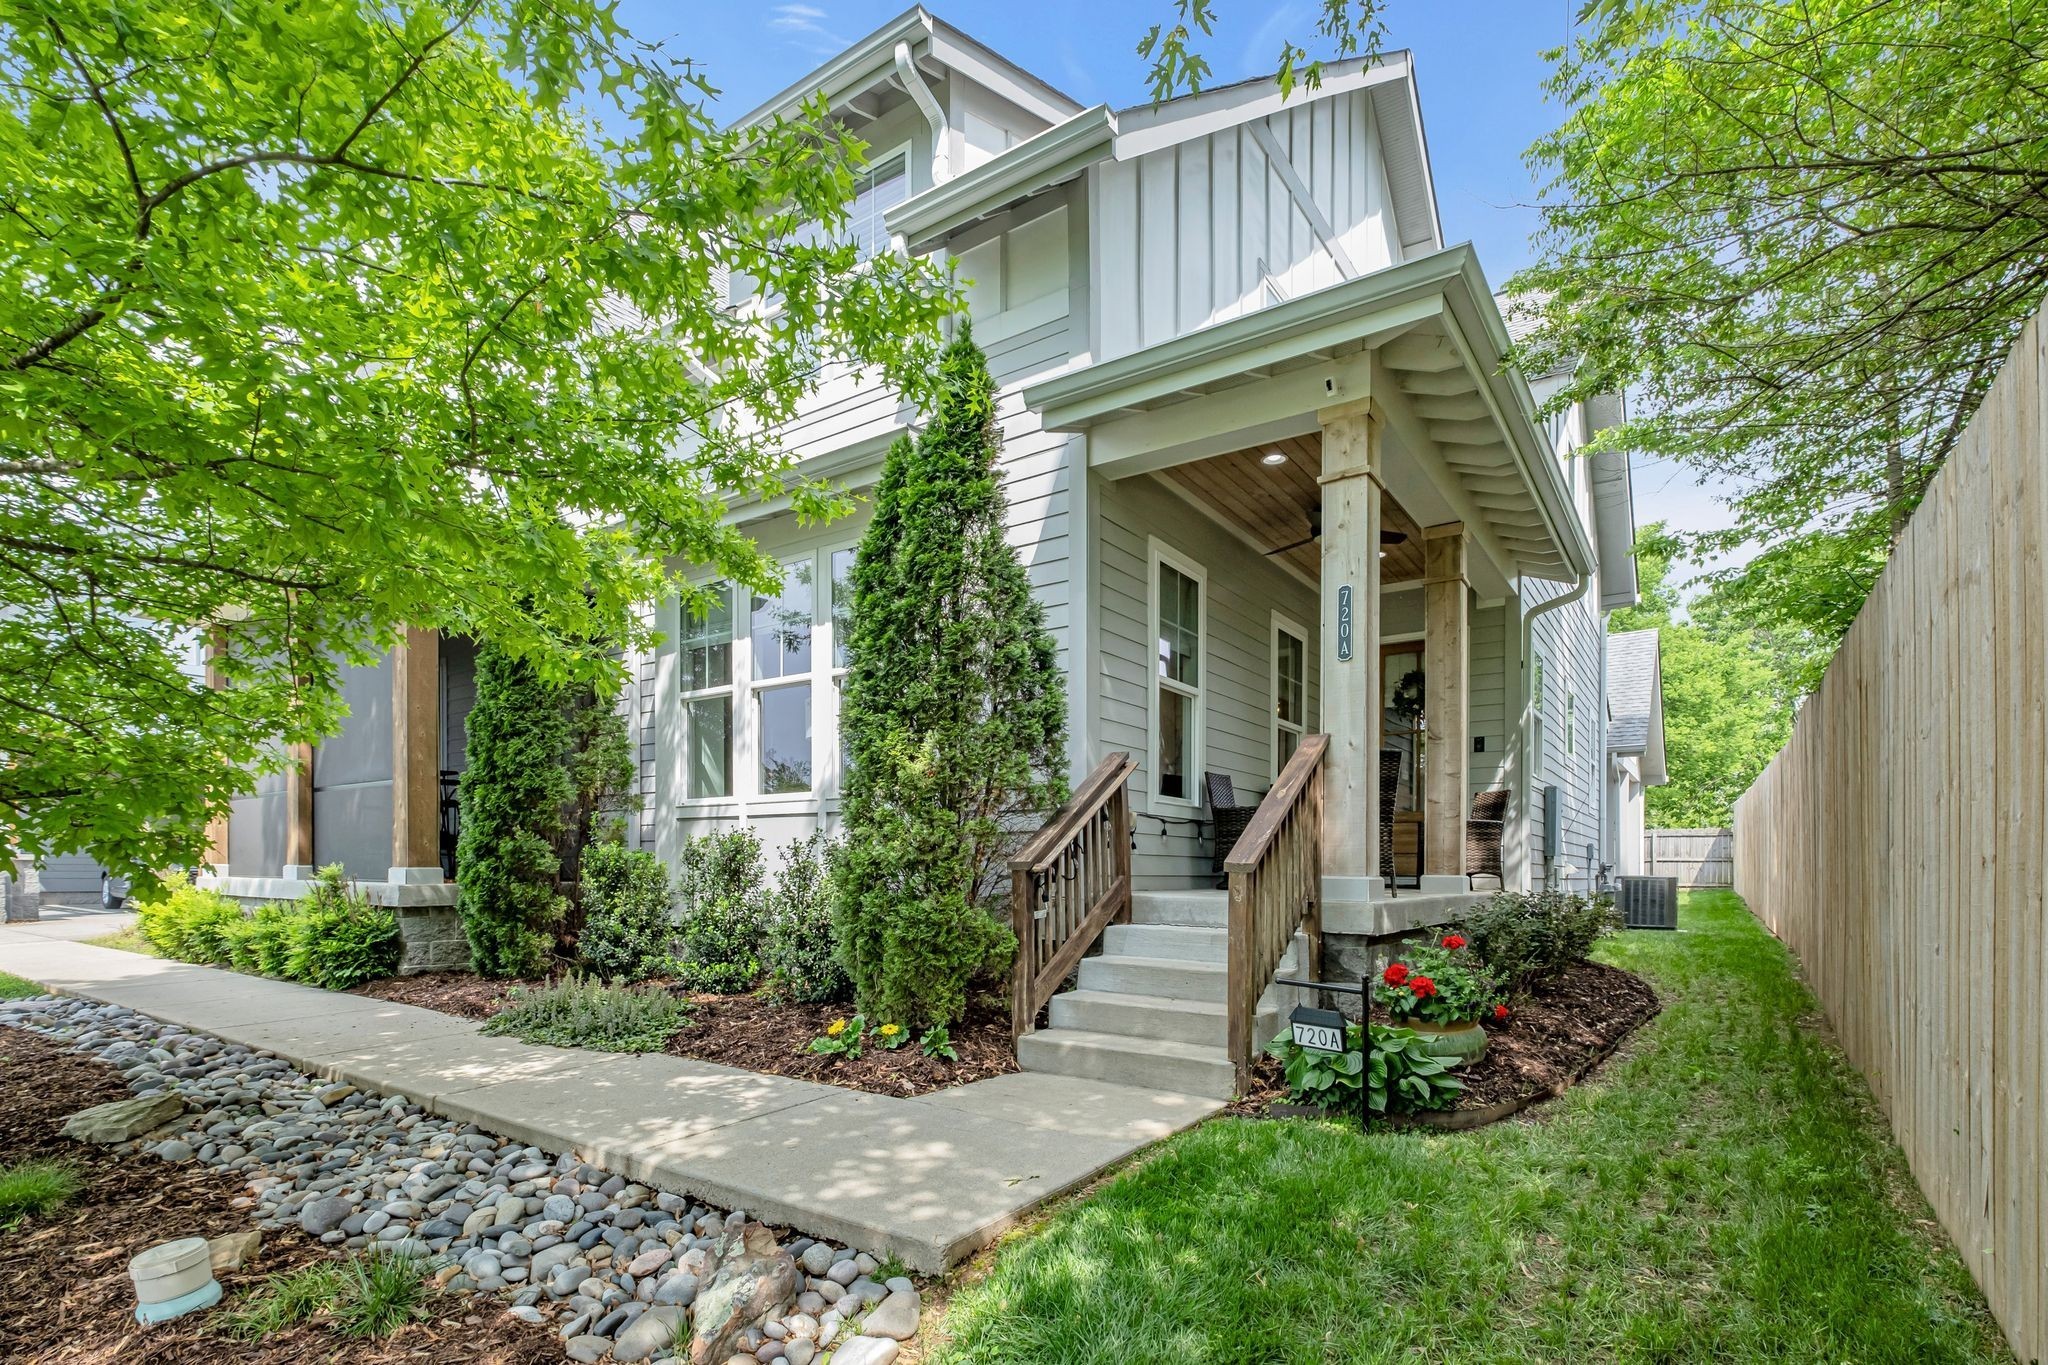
point(928, 105)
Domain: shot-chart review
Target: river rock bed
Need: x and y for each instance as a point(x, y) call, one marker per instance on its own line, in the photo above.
point(618, 1271)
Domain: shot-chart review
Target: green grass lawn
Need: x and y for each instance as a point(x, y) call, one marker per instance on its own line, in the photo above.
point(1723, 1190)
point(129, 940)
point(14, 988)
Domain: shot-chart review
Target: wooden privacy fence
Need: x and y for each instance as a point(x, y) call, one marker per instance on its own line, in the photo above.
point(1697, 857)
point(1899, 842)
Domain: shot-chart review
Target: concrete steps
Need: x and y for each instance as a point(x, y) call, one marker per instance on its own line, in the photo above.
point(1148, 1009)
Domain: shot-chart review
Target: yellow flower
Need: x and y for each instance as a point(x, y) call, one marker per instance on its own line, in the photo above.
point(891, 1030)
point(835, 1028)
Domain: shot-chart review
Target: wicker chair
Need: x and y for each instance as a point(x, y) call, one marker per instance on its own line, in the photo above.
point(1390, 789)
point(1230, 817)
point(1484, 829)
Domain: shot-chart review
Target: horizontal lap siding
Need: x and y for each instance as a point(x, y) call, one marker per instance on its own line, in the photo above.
point(1570, 641)
point(1899, 841)
point(1244, 590)
point(1487, 713)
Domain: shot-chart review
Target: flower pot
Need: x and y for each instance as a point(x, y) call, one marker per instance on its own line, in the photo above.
point(1456, 1043)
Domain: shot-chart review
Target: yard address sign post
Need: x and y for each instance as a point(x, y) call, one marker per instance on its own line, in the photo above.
point(1326, 1031)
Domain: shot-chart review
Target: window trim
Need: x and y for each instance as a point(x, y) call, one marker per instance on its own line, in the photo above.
point(1281, 623)
point(730, 691)
point(1158, 553)
point(757, 685)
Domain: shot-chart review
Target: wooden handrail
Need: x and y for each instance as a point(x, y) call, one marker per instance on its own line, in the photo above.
point(1068, 883)
point(1276, 889)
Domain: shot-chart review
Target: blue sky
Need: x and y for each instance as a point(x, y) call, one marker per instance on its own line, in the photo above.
point(1479, 64)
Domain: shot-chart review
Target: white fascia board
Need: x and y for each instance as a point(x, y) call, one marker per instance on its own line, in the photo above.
point(867, 63)
point(1436, 222)
point(1149, 127)
point(1037, 163)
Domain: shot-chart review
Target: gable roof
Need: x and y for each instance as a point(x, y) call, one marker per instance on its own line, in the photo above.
point(1635, 700)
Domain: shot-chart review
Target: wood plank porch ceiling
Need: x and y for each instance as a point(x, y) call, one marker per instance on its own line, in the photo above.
point(1279, 507)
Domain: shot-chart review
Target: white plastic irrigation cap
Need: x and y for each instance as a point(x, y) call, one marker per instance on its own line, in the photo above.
point(172, 1279)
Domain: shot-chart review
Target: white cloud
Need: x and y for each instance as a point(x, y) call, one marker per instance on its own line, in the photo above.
point(806, 26)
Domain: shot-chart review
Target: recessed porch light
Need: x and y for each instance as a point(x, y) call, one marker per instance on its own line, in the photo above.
point(1273, 457)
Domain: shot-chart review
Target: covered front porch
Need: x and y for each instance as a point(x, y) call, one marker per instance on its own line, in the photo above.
point(1364, 447)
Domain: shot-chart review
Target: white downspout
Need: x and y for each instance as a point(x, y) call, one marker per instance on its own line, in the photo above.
point(1528, 680)
point(928, 105)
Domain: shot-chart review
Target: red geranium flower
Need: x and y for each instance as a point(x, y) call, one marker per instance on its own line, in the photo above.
point(1395, 974)
point(1500, 1011)
point(1422, 986)
point(1454, 940)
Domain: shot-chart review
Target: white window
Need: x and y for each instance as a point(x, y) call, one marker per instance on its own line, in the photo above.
point(1179, 617)
point(880, 185)
point(1290, 689)
point(1571, 723)
point(706, 668)
point(842, 631)
point(779, 643)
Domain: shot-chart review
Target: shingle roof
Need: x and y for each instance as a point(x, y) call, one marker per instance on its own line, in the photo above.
point(1631, 690)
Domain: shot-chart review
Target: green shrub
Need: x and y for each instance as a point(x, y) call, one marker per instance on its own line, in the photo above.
point(337, 939)
point(720, 886)
point(513, 794)
point(954, 717)
point(583, 1012)
point(286, 1301)
point(1404, 1074)
point(798, 946)
point(629, 927)
point(381, 1292)
point(33, 1187)
point(185, 922)
point(271, 937)
point(240, 938)
point(1528, 937)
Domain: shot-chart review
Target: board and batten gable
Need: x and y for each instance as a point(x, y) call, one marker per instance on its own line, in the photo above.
point(1210, 228)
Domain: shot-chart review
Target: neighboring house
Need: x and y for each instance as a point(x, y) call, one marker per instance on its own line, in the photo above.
point(1265, 464)
point(1635, 740)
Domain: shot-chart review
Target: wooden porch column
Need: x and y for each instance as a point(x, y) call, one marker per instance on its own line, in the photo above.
point(416, 757)
point(216, 829)
point(1351, 653)
point(1446, 665)
point(298, 815)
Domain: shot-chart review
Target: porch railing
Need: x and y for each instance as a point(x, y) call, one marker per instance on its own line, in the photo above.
point(1067, 884)
point(1276, 888)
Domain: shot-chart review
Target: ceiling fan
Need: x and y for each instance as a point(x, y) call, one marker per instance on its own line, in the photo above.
point(1315, 533)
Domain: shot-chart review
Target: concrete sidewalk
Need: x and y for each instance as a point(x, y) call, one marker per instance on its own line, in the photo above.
point(929, 1180)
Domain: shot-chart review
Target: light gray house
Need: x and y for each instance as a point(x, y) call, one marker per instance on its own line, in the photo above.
point(1271, 480)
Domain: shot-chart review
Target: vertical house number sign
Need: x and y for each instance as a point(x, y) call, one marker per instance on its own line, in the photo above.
point(1344, 623)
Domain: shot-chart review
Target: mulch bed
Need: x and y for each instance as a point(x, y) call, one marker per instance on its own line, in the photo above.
point(759, 1033)
point(1557, 1034)
point(65, 1296)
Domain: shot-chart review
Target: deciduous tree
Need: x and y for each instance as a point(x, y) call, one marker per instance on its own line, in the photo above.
point(323, 317)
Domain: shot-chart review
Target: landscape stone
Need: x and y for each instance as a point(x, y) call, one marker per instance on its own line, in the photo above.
point(895, 1318)
point(233, 1250)
point(866, 1351)
point(122, 1120)
point(324, 1216)
point(754, 1281)
point(650, 1332)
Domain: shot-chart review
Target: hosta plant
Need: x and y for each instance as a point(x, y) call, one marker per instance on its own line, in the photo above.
point(1402, 1074)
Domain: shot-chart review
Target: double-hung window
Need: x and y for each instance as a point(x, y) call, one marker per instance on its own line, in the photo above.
point(1290, 690)
point(880, 185)
point(706, 666)
point(842, 632)
point(1178, 615)
point(779, 641)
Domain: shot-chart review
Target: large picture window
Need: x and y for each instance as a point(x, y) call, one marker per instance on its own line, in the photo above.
point(706, 668)
point(1179, 587)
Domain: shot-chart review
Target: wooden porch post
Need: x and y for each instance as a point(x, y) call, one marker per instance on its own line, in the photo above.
point(216, 829)
point(1446, 655)
point(298, 815)
point(416, 757)
point(1351, 653)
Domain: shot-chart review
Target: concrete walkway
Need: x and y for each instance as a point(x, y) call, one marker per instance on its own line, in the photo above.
point(930, 1180)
